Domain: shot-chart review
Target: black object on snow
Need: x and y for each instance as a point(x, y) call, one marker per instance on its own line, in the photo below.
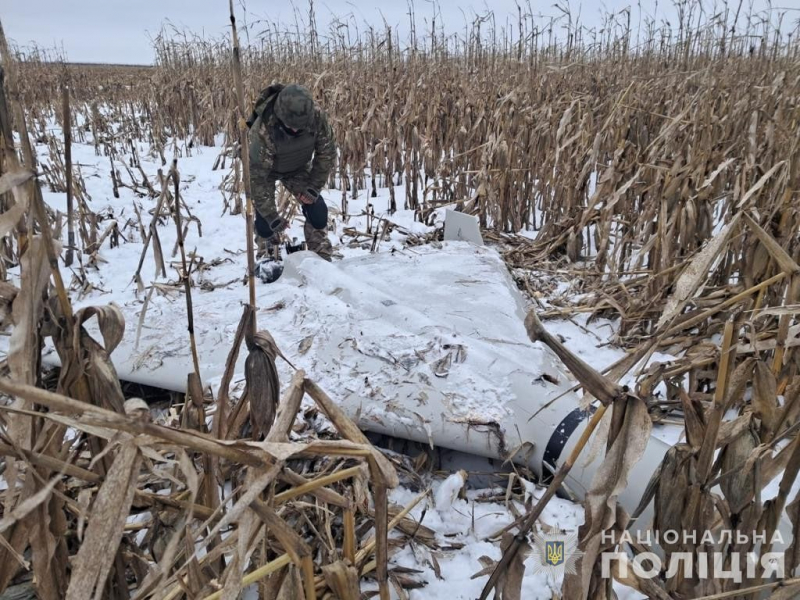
point(269, 270)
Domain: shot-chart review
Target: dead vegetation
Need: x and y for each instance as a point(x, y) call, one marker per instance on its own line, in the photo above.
point(662, 177)
point(173, 509)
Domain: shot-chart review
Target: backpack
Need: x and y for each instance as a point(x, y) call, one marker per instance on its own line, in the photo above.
point(264, 102)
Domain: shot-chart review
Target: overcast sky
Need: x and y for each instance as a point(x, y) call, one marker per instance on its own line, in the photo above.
point(116, 31)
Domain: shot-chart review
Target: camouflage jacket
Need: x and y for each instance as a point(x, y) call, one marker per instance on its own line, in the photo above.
point(274, 154)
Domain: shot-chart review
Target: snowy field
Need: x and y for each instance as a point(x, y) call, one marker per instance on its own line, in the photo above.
point(307, 322)
point(381, 305)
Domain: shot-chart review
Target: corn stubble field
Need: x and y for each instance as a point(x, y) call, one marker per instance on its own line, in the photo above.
point(659, 169)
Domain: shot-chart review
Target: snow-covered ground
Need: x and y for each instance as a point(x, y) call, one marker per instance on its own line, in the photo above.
point(382, 312)
point(458, 522)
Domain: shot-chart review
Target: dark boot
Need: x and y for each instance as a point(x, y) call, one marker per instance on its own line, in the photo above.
point(316, 228)
point(317, 241)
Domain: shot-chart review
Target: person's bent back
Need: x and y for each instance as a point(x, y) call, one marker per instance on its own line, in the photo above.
point(292, 142)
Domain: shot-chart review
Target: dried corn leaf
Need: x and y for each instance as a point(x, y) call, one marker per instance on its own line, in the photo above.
point(23, 348)
point(792, 592)
point(608, 482)
point(777, 311)
point(256, 482)
point(91, 415)
point(292, 587)
point(738, 487)
point(288, 409)
point(13, 179)
point(623, 572)
point(791, 406)
point(786, 263)
point(84, 499)
point(759, 184)
point(7, 294)
point(765, 400)
point(85, 364)
point(49, 548)
point(731, 430)
point(672, 493)
point(694, 276)
point(232, 586)
point(386, 472)
point(106, 524)
point(792, 557)
point(738, 383)
point(286, 536)
point(694, 418)
point(509, 585)
point(27, 506)
point(773, 509)
point(342, 578)
point(716, 172)
point(26, 312)
point(110, 322)
point(599, 440)
point(12, 216)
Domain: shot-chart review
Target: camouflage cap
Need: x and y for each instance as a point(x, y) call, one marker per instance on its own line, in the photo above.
point(294, 106)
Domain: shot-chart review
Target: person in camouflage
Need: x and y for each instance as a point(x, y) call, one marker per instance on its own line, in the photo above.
point(292, 142)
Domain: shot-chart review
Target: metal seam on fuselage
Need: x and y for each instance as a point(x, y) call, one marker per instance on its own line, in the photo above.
point(559, 439)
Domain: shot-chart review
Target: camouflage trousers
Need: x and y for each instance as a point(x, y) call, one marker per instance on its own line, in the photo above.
point(315, 229)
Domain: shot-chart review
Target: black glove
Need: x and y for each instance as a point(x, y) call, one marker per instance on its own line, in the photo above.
point(272, 228)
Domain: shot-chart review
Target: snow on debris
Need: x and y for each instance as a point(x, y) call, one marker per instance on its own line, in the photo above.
point(402, 310)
